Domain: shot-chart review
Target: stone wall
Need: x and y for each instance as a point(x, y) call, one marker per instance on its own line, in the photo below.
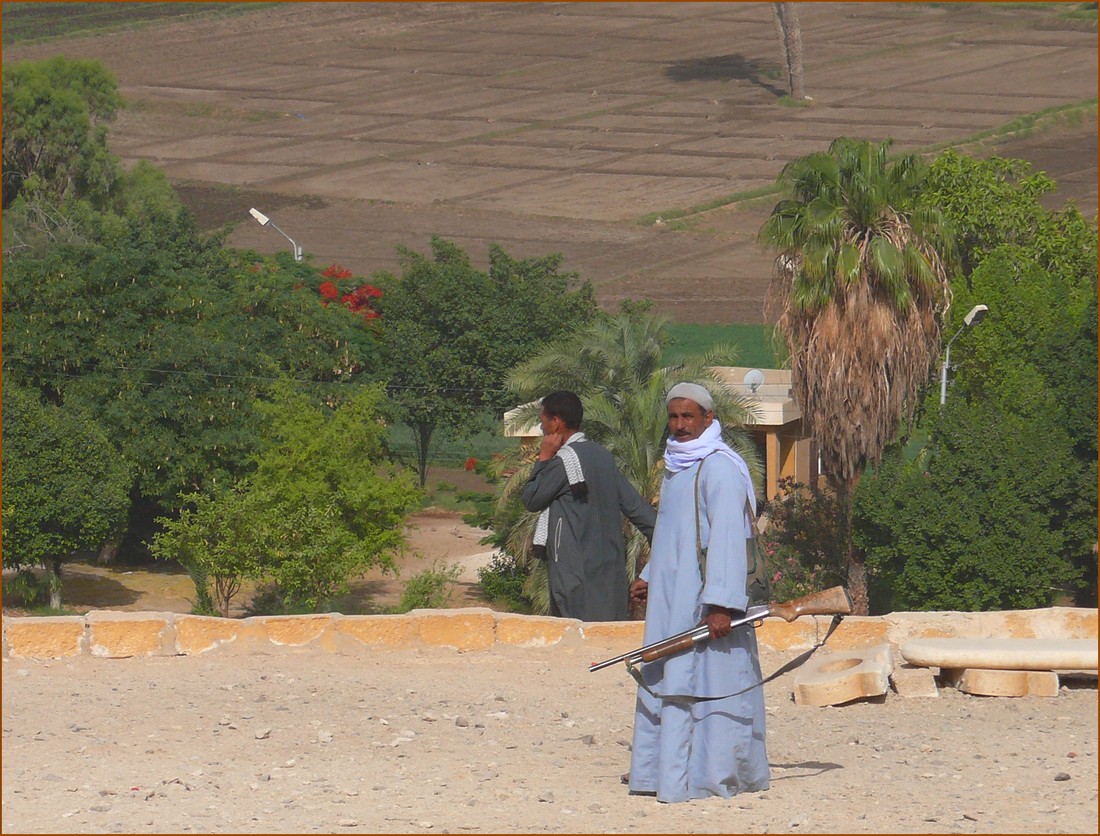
point(112, 635)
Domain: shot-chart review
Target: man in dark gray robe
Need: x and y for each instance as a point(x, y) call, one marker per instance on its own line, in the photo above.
point(582, 496)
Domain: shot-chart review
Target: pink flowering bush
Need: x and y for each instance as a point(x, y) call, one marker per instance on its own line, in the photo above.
point(804, 545)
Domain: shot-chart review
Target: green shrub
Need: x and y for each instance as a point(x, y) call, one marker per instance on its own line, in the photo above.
point(502, 581)
point(429, 589)
point(26, 589)
point(272, 599)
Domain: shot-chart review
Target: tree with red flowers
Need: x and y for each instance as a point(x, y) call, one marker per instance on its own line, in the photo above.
point(362, 300)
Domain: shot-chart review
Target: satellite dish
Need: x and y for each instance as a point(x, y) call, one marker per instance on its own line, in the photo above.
point(753, 379)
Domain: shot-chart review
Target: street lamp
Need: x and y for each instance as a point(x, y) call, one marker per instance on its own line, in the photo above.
point(976, 315)
point(264, 220)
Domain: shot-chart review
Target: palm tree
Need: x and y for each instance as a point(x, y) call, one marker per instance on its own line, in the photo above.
point(614, 365)
point(790, 42)
point(859, 292)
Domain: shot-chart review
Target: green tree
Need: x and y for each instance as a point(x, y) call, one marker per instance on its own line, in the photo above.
point(1000, 508)
point(805, 540)
point(64, 488)
point(320, 508)
point(215, 537)
point(169, 340)
point(454, 331)
point(967, 525)
point(939, 530)
point(330, 508)
point(614, 365)
point(860, 284)
point(56, 114)
point(998, 201)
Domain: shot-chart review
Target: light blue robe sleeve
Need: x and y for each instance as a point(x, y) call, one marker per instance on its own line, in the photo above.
point(722, 497)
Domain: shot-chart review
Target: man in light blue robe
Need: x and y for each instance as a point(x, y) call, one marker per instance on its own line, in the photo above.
point(684, 749)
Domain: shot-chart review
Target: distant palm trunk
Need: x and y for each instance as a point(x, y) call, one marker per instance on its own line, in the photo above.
point(790, 39)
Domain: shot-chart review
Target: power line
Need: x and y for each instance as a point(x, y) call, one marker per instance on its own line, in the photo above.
point(103, 367)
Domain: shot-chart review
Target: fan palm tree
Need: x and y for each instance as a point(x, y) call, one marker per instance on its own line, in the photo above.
point(614, 365)
point(859, 293)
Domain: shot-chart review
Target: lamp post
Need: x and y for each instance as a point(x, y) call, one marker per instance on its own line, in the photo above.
point(264, 220)
point(976, 315)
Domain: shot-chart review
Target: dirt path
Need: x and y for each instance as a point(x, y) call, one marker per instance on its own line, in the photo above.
point(435, 538)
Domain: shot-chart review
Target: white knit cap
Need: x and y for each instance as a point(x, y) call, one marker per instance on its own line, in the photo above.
point(693, 392)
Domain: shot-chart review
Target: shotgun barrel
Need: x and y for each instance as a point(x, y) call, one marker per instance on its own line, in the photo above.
point(834, 601)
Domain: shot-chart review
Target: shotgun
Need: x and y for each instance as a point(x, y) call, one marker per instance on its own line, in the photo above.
point(834, 601)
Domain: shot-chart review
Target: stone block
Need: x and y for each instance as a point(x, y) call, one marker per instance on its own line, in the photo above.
point(1048, 623)
point(197, 634)
point(51, 637)
point(1003, 683)
point(627, 634)
point(376, 630)
point(120, 635)
point(910, 681)
point(469, 629)
point(292, 630)
point(857, 631)
point(800, 634)
point(535, 631)
point(840, 677)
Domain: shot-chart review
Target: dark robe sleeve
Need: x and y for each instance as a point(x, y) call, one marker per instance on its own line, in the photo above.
point(636, 509)
point(546, 483)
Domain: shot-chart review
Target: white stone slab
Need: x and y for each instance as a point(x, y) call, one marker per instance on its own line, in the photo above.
point(1002, 654)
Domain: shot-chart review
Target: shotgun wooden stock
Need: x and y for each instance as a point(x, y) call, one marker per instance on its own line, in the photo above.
point(834, 601)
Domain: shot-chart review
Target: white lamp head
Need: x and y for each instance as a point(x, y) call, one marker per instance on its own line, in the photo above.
point(976, 315)
point(259, 216)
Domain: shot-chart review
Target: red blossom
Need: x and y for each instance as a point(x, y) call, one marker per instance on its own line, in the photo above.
point(335, 271)
point(328, 290)
point(471, 463)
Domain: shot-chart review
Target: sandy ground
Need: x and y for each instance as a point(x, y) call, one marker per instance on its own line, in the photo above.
point(501, 741)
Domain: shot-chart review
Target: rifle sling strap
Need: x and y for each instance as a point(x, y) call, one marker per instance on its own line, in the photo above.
point(687, 699)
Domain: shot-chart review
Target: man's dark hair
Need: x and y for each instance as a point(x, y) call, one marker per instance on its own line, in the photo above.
point(564, 405)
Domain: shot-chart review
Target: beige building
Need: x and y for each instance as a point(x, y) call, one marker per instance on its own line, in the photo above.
point(777, 428)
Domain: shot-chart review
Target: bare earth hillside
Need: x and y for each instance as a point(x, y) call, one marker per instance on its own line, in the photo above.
point(559, 127)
